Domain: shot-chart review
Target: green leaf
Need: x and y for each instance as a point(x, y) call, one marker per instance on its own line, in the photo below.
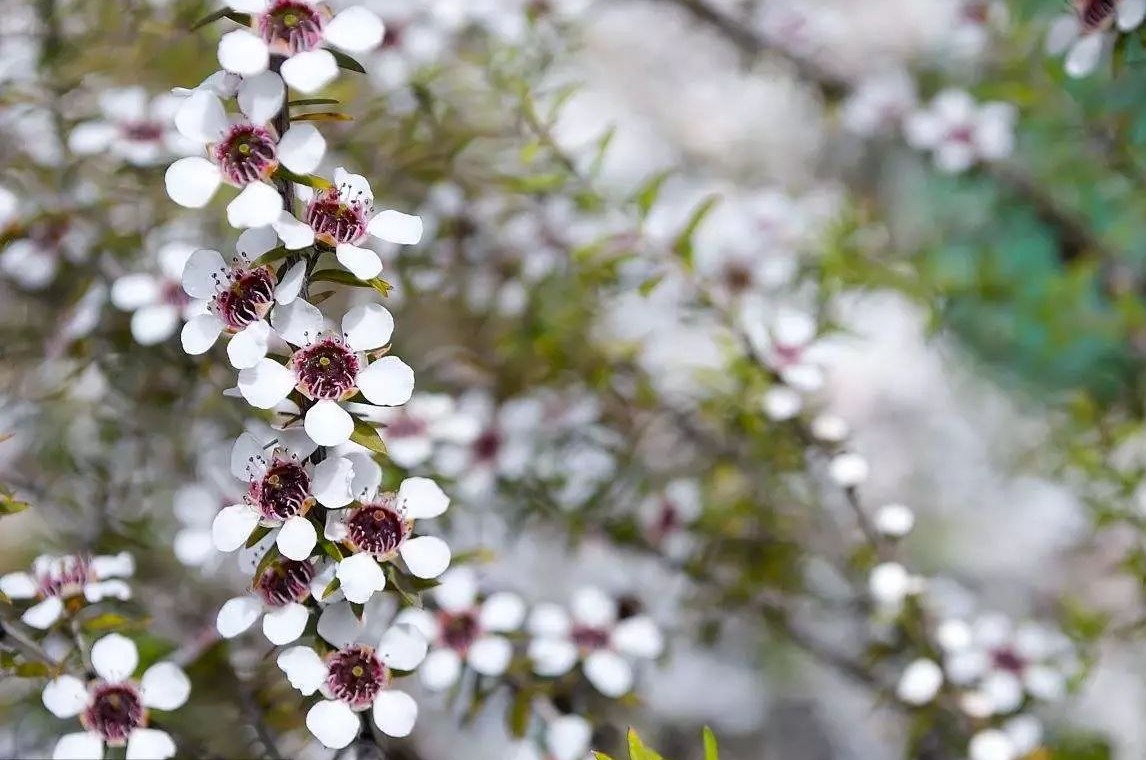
point(682, 246)
point(33, 670)
point(222, 13)
point(649, 285)
point(322, 116)
point(314, 102)
point(520, 711)
point(601, 756)
point(638, 750)
point(273, 255)
point(393, 577)
point(257, 535)
point(110, 621)
point(267, 560)
point(366, 435)
point(647, 194)
point(309, 180)
point(330, 588)
point(342, 277)
point(346, 62)
point(710, 751)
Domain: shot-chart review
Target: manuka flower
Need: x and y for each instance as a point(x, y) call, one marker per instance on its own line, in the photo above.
point(1083, 34)
point(960, 133)
point(328, 368)
point(114, 707)
point(157, 301)
point(277, 595)
point(134, 128)
point(566, 737)
point(595, 635)
point(55, 580)
point(297, 29)
point(465, 631)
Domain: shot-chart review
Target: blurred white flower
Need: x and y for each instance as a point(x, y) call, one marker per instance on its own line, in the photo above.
point(848, 470)
point(920, 682)
point(412, 432)
point(1016, 739)
point(959, 133)
point(135, 128)
point(879, 103)
point(1083, 34)
point(54, 580)
point(157, 301)
point(894, 520)
point(667, 515)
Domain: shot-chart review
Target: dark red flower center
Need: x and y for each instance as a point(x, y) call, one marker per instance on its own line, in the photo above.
point(290, 27)
point(246, 154)
point(1094, 14)
point(589, 639)
point(487, 445)
point(355, 675)
point(66, 576)
point(1009, 660)
point(246, 297)
point(326, 369)
point(283, 490)
point(377, 529)
point(459, 630)
point(285, 581)
point(335, 220)
point(114, 711)
point(143, 131)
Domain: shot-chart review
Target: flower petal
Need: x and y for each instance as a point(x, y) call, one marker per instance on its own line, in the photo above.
point(154, 324)
point(458, 590)
point(395, 713)
point(149, 744)
point(203, 273)
point(249, 346)
point(257, 205)
point(200, 117)
point(332, 481)
point(502, 612)
point(357, 30)
point(548, 619)
point(297, 538)
point(402, 647)
point(266, 384)
point(134, 291)
point(333, 723)
point(387, 382)
point(86, 745)
point(1084, 55)
point(303, 668)
point(237, 615)
point(192, 181)
point(552, 657)
point(425, 556)
point(328, 424)
point(255, 241)
point(310, 71)
point(609, 672)
point(638, 636)
point(367, 474)
point(261, 96)
point(292, 232)
point(18, 586)
point(44, 615)
point(368, 327)
point(243, 52)
point(284, 625)
point(120, 565)
point(441, 669)
point(200, 333)
point(592, 607)
point(422, 498)
point(359, 577)
point(232, 526)
point(567, 737)
point(114, 657)
point(302, 148)
point(298, 322)
point(490, 655)
point(363, 263)
point(291, 284)
point(65, 697)
point(164, 686)
point(396, 227)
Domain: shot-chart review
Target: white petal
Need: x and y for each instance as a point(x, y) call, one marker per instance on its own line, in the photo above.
point(120, 565)
point(200, 333)
point(150, 744)
point(237, 615)
point(257, 205)
point(367, 474)
point(552, 657)
point(261, 96)
point(248, 6)
point(1130, 14)
point(396, 227)
point(65, 697)
point(134, 291)
point(920, 682)
point(297, 538)
point(92, 137)
point(328, 424)
point(298, 322)
point(422, 498)
point(332, 481)
point(502, 612)
point(490, 655)
point(458, 590)
point(638, 636)
point(301, 148)
point(568, 736)
point(1004, 690)
point(80, 746)
point(154, 324)
point(363, 263)
point(990, 744)
point(266, 384)
point(1084, 55)
point(1063, 31)
point(242, 52)
point(395, 713)
point(292, 232)
point(592, 607)
point(232, 526)
point(256, 241)
point(333, 723)
point(357, 30)
point(43, 615)
point(303, 668)
point(359, 577)
point(368, 327)
point(18, 586)
point(115, 589)
point(421, 621)
point(203, 273)
point(192, 181)
point(402, 647)
point(310, 71)
point(165, 686)
point(247, 458)
point(249, 346)
point(291, 284)
point(549, 620)
point(441, 670)
point(387, 382)
point(339, 626)
point(425, 556)
point(282, 626)
point(201, 117)
point(609, 672)
point(114, 657)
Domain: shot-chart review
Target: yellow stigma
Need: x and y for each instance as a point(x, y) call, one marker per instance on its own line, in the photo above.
point(245, 149)
point(357, 671)
point(290, 19)
point(324, 361)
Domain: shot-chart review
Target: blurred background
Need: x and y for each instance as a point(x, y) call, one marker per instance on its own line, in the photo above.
point(700, 279)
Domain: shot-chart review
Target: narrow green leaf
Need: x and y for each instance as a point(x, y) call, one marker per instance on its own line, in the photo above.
point(682, 246)
point(647, 194)
point(267, 560)
point(366, 435)
point(331, 588)
point(222, 13)
point(601, 756)
point(395, 580)
point(108, 621)
point(649, 285)
point(710, 751)
point(346, 62)
point(33, 670)
point(257, 535)
point(273, 255)
point(322, 116)
point(309, 180)
point(638, 750)
point(520, 711)
point(314, 102)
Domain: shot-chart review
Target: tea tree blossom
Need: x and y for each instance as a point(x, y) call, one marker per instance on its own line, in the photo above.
point(413, 432)
point(592, 633)
point(297, 29)
point(157, 301)
point(134, 128)
point(355, 677)
point(1083, 35)
point(566, 737)
point(465, 631)
point(920, 682)
point(960, 133)
point(879, 104)
point(114, 707)
point(667, 515)
point(56, 581)
point(278, 593)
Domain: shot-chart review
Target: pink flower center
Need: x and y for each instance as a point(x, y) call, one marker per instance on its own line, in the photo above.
point(113, 712)
point(1009, 660)
point(377, 529)
point(66, 576)
point(355, 675)
point(589, 639)
point(285, 581)
point(246, 154)
point(326, 369)
point(283, 491)
point(459, 630)
point(406, 426)
point(487, 445)
point(142, 131)
point(335, 220)
point(1095, 14)
point(290, 27)
point(247, 297)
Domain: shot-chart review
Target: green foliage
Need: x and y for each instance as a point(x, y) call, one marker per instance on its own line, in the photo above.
point(639, 751)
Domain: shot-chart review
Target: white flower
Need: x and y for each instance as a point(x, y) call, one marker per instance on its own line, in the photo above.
point(356, 677)
point(238, 296)
point(787, 345)
point(491, 443)
point(667, 515)
point(134, 128)
point(195, 507)
point(54, 580)
point(848, 470)
point(157, 301)
point(960, 133)
point(412, 431)
point(381, 528)
point(297, 29)
point(1083, 34)
point(465, 631)
point(114, 707)
point(999, 665)
point(879, 103)
point(281, 490)
point(328, 368)
point(1017, 738)
point(342, 216)
point(245, 151)
point(889, 584)
point(920, 682)
point(567, 737)
point(593, 634)
point(781, 402)
point(277, 597)
point(894, 520)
